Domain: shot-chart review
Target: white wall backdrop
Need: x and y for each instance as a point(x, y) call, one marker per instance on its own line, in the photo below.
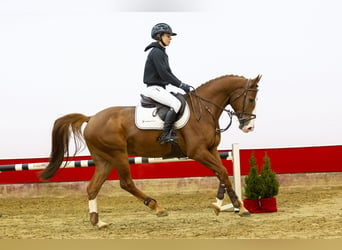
point(60, 57)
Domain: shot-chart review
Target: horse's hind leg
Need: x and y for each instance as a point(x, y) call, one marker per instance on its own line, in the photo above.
point(102, 171)
point(127, 184)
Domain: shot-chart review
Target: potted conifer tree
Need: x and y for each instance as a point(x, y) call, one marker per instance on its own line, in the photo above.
point(269, 187)
point(252, 187)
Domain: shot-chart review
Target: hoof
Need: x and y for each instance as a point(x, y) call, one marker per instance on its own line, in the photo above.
point(216, 208)
point(244, 214)
point(162, 213)
point(101, 225)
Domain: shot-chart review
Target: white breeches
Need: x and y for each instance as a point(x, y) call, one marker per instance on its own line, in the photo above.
point(163, 96)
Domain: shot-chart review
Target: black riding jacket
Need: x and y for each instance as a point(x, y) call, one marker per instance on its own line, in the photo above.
point(157, 69)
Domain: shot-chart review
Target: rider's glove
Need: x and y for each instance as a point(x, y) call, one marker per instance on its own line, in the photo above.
point(185, 87)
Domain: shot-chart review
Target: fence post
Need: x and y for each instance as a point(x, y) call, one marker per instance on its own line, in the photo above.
point(237, 170)
point(236, 182)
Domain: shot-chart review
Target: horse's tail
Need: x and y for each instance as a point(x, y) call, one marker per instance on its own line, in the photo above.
point(61, 133)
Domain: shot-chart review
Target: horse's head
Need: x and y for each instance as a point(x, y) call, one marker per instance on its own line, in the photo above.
point(243, 101)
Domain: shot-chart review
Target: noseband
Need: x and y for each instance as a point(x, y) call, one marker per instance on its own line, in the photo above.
point(240, 115)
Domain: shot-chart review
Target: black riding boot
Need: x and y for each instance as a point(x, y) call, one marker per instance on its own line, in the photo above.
point(168, 135)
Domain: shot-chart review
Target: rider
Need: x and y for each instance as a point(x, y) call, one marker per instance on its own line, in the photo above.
point(157, 75)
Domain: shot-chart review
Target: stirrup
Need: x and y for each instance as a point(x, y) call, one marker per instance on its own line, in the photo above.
point(170, 138)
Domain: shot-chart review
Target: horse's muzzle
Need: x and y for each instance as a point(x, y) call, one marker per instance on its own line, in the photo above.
point(247, 129)
point(247, 126)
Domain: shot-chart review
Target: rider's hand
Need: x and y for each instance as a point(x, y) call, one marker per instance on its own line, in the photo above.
point(185, 87)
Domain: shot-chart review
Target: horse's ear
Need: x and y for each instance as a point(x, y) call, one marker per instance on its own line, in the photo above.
point(257, 79)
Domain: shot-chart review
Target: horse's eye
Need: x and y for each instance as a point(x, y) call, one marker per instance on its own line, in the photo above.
point(251, 100)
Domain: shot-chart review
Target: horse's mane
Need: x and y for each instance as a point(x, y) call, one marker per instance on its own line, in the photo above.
point(219, 78)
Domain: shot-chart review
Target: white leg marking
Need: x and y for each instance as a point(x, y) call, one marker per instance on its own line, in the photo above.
point(93, 209)
point(218, 202)
point(92, 206)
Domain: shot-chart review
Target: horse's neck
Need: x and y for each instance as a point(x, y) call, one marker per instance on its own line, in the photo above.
point(219, 90)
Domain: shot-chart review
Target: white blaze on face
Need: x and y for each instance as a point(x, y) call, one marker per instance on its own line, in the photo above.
point(249, 127)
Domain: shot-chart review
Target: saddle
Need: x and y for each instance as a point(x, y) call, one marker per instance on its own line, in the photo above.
point(162, 109)
point(150, 114)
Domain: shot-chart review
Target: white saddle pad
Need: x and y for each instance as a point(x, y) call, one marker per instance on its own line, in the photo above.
point(146, 118)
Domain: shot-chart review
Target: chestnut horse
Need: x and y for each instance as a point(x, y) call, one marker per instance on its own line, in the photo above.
point(111, 135)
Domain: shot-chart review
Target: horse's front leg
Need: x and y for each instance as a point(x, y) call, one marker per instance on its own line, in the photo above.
point(237, 203)
point(227, 184)
point(213, 161)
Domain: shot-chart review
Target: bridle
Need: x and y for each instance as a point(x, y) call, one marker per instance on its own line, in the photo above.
point(240, 115)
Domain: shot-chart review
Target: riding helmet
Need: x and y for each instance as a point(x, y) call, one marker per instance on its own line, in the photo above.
point(159, 29)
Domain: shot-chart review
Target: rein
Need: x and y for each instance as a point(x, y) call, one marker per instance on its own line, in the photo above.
point(198, 117)
point(239, 115)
